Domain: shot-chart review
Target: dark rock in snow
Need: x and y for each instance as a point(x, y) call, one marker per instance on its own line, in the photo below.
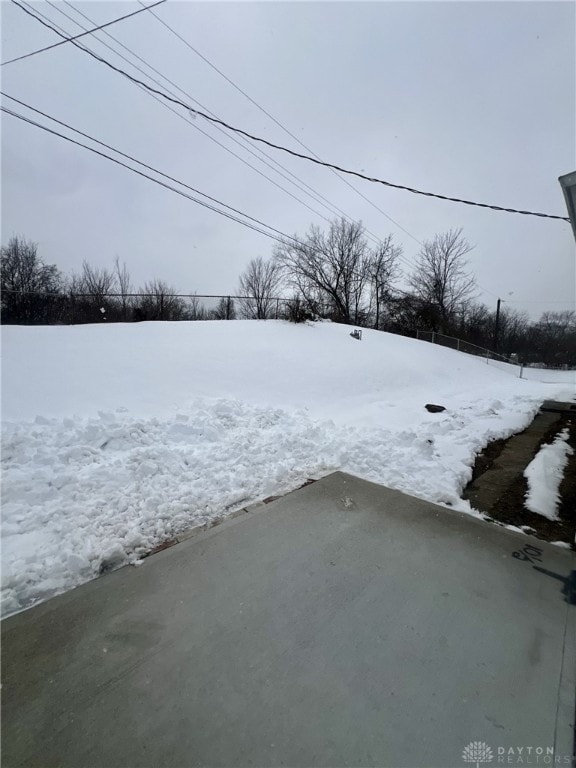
point(434, 408)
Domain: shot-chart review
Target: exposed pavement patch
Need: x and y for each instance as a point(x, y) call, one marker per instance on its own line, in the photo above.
point(498, 486)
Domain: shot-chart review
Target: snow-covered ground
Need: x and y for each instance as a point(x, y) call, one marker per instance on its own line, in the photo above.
point(118, 437)
point(544, 475)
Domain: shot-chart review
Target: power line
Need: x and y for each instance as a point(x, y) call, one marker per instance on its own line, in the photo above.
point(370, 234)
point(376, 239)
point(279, 237)
point(280, 125)
point(187, 117)
point(329, 206)
point(291, 152)
point(318, 197)
point(167, 79)
point(189, 120)
point(538, 301)
point(146, 176)
point(147, 89)
point(88, 32)
point(287, 237)
point(167, 106)
point(402, 258)
point(133, 159)
point(283, 237)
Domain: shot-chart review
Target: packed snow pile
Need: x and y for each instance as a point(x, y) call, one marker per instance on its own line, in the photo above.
point(118, 437)
point(544, 475)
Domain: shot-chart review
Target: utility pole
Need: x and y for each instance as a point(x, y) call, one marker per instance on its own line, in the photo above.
point(497, 325)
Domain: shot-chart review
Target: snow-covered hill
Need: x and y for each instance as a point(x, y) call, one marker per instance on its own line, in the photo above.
point(117, 437)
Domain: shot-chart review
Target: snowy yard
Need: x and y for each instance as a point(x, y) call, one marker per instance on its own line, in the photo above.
point(118, 437)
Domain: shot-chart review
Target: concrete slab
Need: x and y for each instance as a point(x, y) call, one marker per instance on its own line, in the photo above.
point(342, 625)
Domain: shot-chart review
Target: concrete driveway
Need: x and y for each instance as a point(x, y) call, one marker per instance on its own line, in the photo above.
point(342, 625)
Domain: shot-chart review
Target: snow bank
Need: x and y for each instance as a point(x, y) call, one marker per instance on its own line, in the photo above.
point(118, 437)
point(544, 475)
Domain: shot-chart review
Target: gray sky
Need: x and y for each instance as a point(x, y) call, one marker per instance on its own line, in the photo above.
point(473, 100)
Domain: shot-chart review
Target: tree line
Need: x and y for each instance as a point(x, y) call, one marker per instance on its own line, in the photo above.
point(334, 274)
point(337, 274)
point(34, 293)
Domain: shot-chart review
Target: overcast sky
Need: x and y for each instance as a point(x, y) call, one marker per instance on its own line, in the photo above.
point(473, 100)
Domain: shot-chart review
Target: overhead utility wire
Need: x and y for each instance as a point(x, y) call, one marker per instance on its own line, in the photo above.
point(279, 237)
point(538, 301)
point(282, 238)
point(87, 32)
point(283, 127)
point(317, 196)
point(151, 178)
point(292, 152)
point(377, 240)
point(371, 235)
point(317, 158)
point(132, 159)
point(333, 209)
point(191, 120)
point(402, 258)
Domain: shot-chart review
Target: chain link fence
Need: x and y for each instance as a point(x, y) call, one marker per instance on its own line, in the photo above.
point(509, 364)
point(134, 307)
point(34, 308)
point(463, 346)
point(491, 357)
point(42, 308)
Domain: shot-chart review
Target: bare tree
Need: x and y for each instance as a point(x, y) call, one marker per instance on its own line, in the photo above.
point(382, 269)
point(98, 282)
point(440, 279)
point(195, 309)
point(558, 324)
point(124, 286)
point(329, 269)
point(30, 288)
point(554, 336)
point(259, 285)
point(159, 302)
point(513, 326)
point(225, 309)
point(403, 314)
point(90, 295)
point(474, 323)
